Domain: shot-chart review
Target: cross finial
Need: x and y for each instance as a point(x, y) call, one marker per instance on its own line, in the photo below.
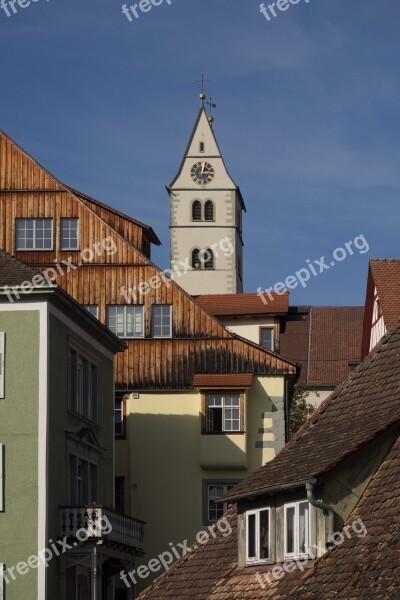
point(202, 81)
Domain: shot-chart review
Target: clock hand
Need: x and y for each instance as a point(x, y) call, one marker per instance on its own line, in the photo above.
point(203, 167)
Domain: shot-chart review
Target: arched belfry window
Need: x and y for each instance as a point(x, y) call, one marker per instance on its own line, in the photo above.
point(196, 262)
point(209, 210)
point(208, 259)
point(196, 210)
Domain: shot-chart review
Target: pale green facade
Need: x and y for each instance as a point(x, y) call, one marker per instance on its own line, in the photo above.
point(38, 432)
point(19, 434)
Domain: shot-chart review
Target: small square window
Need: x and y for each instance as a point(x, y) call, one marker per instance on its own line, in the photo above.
point(69, 234)
point(162, 320)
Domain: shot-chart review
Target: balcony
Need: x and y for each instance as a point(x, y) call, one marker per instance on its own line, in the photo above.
point(93, 523)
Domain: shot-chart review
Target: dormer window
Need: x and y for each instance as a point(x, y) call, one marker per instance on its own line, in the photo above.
point(275, 530)
point(258, 542)
point(297, 529)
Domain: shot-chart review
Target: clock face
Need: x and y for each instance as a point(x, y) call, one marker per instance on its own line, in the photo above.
point(202, 173)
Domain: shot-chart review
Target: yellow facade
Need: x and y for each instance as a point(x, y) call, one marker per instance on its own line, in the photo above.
point(165, 457)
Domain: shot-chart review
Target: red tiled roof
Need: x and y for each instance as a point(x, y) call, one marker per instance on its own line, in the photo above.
point(335, 339)
point(362, 566)
point(386, 274)
point(367, 566)
point(231, 380)
point(356, 412)
point(243, 304)
point(210, 572)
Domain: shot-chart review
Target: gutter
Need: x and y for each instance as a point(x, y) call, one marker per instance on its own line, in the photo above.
point(328, 511)
point(264, 491)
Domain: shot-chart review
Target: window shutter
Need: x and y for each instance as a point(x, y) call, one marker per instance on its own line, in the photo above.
point(2, 363)
point(1, 481)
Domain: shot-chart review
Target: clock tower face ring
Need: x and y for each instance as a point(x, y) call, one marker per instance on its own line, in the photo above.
point(202, 173)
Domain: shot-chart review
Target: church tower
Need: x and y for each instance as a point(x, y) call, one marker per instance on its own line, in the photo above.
point(206, 217)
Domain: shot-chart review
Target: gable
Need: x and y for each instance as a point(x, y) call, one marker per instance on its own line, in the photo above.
point(203, 132)
point(200, 344)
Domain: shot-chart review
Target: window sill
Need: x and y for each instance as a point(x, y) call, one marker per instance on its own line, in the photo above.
point(34, 249)
point(223, 433)
point(260, 563)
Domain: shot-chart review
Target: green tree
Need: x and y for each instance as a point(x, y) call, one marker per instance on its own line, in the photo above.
point(300, 409)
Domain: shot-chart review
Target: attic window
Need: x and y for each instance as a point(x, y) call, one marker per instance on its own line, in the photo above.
point(297, 529)
point(202, 147)
point(258, 536)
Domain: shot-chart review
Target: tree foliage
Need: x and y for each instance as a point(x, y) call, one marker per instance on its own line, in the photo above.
point(300, 409)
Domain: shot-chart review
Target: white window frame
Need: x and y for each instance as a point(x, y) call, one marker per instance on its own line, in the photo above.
point(69, 247)
point(124, 308)
point(297, 553)
point(251, 560)
point(34, 221)
point(163, 317)
point(2, 364)
point(224, 407)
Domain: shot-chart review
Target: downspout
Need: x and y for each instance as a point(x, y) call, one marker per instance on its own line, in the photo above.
point(328, 510)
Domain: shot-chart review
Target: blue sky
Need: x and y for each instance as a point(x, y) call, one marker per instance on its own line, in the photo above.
point(308, 118)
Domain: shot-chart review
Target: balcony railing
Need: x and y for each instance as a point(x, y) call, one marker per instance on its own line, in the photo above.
point(98, 523)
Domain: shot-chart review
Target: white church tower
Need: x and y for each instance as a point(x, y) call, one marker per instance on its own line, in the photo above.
point(206, 217)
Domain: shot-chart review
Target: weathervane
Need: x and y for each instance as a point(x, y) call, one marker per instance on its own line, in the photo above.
point(211, 104)
point(202, 81)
